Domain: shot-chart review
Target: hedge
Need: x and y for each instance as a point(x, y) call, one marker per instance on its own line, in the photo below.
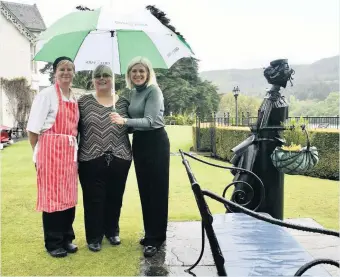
point(326, 141)
point(178, 120)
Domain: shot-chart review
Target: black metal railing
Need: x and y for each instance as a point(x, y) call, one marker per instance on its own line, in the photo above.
point(245, 119)
point(214, 120)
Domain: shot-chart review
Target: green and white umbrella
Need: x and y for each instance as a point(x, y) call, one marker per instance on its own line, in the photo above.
point(98, 37)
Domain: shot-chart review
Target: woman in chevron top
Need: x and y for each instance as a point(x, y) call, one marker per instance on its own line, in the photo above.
point(104, 160)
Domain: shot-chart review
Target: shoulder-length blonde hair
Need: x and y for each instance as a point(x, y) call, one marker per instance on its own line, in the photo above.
point(151, 79)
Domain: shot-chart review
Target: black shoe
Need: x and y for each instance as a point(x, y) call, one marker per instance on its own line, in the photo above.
point(142, 241)
point(70, 247)
point(58, 253)
point(150, 251)
point(95, 247)
point(114, 240)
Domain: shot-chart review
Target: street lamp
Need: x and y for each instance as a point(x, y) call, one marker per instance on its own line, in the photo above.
point(236, 92)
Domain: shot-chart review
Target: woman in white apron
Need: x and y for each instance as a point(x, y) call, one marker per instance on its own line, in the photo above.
point(52, 130)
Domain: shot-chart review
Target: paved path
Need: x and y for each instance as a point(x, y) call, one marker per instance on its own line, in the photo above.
point(184, 245)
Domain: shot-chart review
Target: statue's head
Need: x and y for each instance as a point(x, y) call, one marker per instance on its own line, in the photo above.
point(279, 73)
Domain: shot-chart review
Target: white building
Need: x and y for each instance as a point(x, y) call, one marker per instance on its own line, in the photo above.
point(19, 26)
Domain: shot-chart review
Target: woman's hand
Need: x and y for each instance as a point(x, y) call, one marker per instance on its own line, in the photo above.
point(117, 119)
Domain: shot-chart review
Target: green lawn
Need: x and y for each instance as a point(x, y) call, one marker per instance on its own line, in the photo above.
point(22, 247)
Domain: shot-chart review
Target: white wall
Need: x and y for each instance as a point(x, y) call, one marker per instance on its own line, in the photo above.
point(15, 61)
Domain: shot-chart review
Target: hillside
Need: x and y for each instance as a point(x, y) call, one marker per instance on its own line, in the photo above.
point(312, 81)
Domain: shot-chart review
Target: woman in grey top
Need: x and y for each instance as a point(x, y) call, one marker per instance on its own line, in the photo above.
point(104, 160)
point(151, 150)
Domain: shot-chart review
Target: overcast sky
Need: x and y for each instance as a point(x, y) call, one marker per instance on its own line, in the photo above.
point(228, 34)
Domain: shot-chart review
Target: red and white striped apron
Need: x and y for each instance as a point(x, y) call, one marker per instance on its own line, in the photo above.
point(57, 170)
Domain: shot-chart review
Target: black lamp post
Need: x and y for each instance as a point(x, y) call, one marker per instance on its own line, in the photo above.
point(236, 92)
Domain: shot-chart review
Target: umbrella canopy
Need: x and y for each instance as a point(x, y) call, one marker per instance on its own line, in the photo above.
point(98, 37)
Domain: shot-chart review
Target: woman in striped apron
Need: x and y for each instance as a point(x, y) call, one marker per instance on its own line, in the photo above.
point(52, 129)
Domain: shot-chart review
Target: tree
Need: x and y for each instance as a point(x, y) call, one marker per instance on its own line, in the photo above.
point(331, 104)
point(161, 16)
point(83, 8)
point(20, 96)
point(327, 107)
point(48, 69)
point(245, 104)
point(83, 80)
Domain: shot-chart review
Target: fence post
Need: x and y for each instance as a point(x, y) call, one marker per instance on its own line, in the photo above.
point(242, 118)
point(213, 135)
point(337, 121)
point(198, 131)
point(224, 119)
point(228, 115)
point(248, 118)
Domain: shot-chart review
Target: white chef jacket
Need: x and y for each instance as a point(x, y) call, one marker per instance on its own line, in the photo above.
point(44, 112)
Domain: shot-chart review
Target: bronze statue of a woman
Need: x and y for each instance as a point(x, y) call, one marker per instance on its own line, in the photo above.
point(254, 153)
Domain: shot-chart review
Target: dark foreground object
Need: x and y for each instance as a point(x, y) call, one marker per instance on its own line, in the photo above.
point(252, 243)
point(252, 247)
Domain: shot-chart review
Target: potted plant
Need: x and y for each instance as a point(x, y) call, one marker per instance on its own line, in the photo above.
point(292, 158)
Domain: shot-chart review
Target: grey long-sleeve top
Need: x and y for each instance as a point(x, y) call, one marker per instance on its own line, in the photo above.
point(146, 109)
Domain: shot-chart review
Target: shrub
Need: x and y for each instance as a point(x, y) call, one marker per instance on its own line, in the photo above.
point(178, 120)
point(228, 138)
point(296, 136)
point(204, 143)
point(169, 120)
point(327, 144)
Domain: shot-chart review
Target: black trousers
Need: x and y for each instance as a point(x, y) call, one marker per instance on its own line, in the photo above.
point(151, 154)
point(103, 183)
point(58, 228)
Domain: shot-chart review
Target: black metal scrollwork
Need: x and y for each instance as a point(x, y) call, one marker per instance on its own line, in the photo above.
point(239, 195)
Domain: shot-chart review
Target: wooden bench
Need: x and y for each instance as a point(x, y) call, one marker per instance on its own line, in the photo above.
point(243, 245)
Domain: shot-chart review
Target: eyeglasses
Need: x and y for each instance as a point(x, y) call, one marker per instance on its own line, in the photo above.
point(105, 75)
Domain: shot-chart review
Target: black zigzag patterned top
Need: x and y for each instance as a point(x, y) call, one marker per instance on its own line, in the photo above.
point(98, 134)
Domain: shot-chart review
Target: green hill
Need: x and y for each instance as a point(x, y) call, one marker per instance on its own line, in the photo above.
point(311, 81)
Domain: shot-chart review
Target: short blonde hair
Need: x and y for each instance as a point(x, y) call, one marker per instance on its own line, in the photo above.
point(66, 62)
point(151, 79)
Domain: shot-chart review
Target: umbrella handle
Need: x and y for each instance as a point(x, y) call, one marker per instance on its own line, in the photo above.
point(113, 73)
point(114, 102)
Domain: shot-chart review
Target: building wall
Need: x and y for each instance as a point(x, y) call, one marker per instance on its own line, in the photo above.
point(15, 61)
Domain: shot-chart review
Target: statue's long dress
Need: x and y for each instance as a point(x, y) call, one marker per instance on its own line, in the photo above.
point(256, 158)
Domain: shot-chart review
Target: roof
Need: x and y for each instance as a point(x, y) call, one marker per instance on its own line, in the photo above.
point(28, 15)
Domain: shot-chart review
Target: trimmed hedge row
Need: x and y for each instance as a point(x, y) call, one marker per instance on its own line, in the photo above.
point(327, 143)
